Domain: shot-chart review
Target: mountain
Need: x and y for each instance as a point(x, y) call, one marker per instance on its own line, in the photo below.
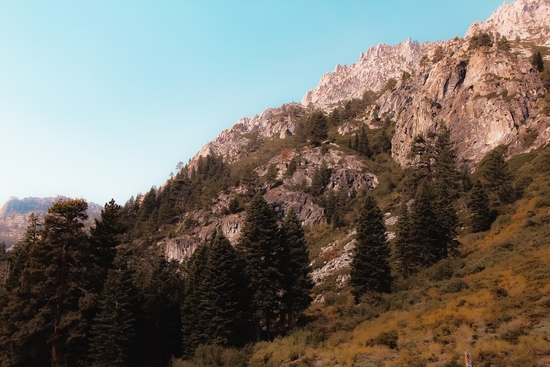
point(487, 95)
point(14, 213)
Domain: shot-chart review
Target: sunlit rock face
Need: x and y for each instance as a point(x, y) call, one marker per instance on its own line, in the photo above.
point(526, 19)
point(485, 97)
point(374, 68)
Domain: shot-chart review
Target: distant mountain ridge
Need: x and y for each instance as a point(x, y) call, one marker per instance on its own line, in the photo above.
point(15, 211)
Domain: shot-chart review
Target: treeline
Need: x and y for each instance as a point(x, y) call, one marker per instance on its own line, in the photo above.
point(78, 299)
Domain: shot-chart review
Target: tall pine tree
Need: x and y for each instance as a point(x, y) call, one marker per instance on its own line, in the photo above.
point(225, 299)
point(260, 247)
point(113, 336)
point(370, 268)
point(479, 206)
point(296, 268)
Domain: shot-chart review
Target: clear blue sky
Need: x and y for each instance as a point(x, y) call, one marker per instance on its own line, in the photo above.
point(101, 99)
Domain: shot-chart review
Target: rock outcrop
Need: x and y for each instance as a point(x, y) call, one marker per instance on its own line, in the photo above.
point(526, 19)
point(486, 97)
point(372, 71)
point(238, 140)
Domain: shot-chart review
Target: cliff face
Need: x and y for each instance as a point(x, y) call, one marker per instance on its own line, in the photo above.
point(14, 214)
point(486, 97)
point(527, 19)
point(373, 69)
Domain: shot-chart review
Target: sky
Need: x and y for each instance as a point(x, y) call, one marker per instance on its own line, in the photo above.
point(102, 99)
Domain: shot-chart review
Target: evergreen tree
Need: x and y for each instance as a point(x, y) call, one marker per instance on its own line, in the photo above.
point(105, 236)
point(370, 268)
point(479, 206)
point(296, 268)
point(445, 157)
point(271, 175)
point(406, 254)
point(318, 130)
point(48, 300)
point(260, 247)
point(113, 335)
point(447, 221)
point(321, 178)
point(224, 299)
point(159, 326)
point(498, 176)
point(193, 330)
point(363, 147)
point(424, 225)
point(537, 61)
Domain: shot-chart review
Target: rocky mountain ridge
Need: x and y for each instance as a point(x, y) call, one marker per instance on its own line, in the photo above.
point(14, 214)
point(487, 96)
point(526, 19)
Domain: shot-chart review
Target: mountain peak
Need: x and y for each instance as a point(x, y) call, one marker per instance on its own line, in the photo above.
point(526, 19)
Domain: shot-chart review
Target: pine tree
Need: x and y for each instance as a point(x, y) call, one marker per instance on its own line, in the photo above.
point(479, 206)
point(105, 236)
point(193, 331)
point(160, 327)
point(318, 130)
point(363, 146)
point(113, 335)
point(424, 225)
point(260, 247)
point(48, 300)
point(224, 299)
point(297, 279)
point(447, 221)
point(498, 177)
point(537, 61)
point(406, 254)
point(320, 180)
point(370, 268)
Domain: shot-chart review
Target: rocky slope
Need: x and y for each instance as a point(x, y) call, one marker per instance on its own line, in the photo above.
point(527, 19)
point(486, 96)
point(374, 68)
point(14, 214)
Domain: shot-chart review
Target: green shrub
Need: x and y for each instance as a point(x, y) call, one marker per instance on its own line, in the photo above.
point(454, 285)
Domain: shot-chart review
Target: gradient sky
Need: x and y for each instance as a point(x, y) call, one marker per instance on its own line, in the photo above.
point(101, 99)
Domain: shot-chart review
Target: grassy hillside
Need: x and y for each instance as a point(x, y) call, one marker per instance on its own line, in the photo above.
point(493, 300)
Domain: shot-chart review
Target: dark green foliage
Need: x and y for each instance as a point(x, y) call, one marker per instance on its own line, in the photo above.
point(481, 39)
point(105, 236)
point(260, 247)
point(479, 206)
point(425, 230)
point(537, 61)
point(503, 44)
point(271, 175)
point(292, 167)
point(224, 300)
point(363, 146)
point(250, 180)
point(313, 127)
point(193, 331)
point(370, 269)
point(159, 324)
point(113, 335)
point(318, 130)
point(49, 300)
point(407, 257)
point(435, 160)
point(498, 177)
point(321, 178)
point(234, 205)
point(297, 282)
point(447, 221)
